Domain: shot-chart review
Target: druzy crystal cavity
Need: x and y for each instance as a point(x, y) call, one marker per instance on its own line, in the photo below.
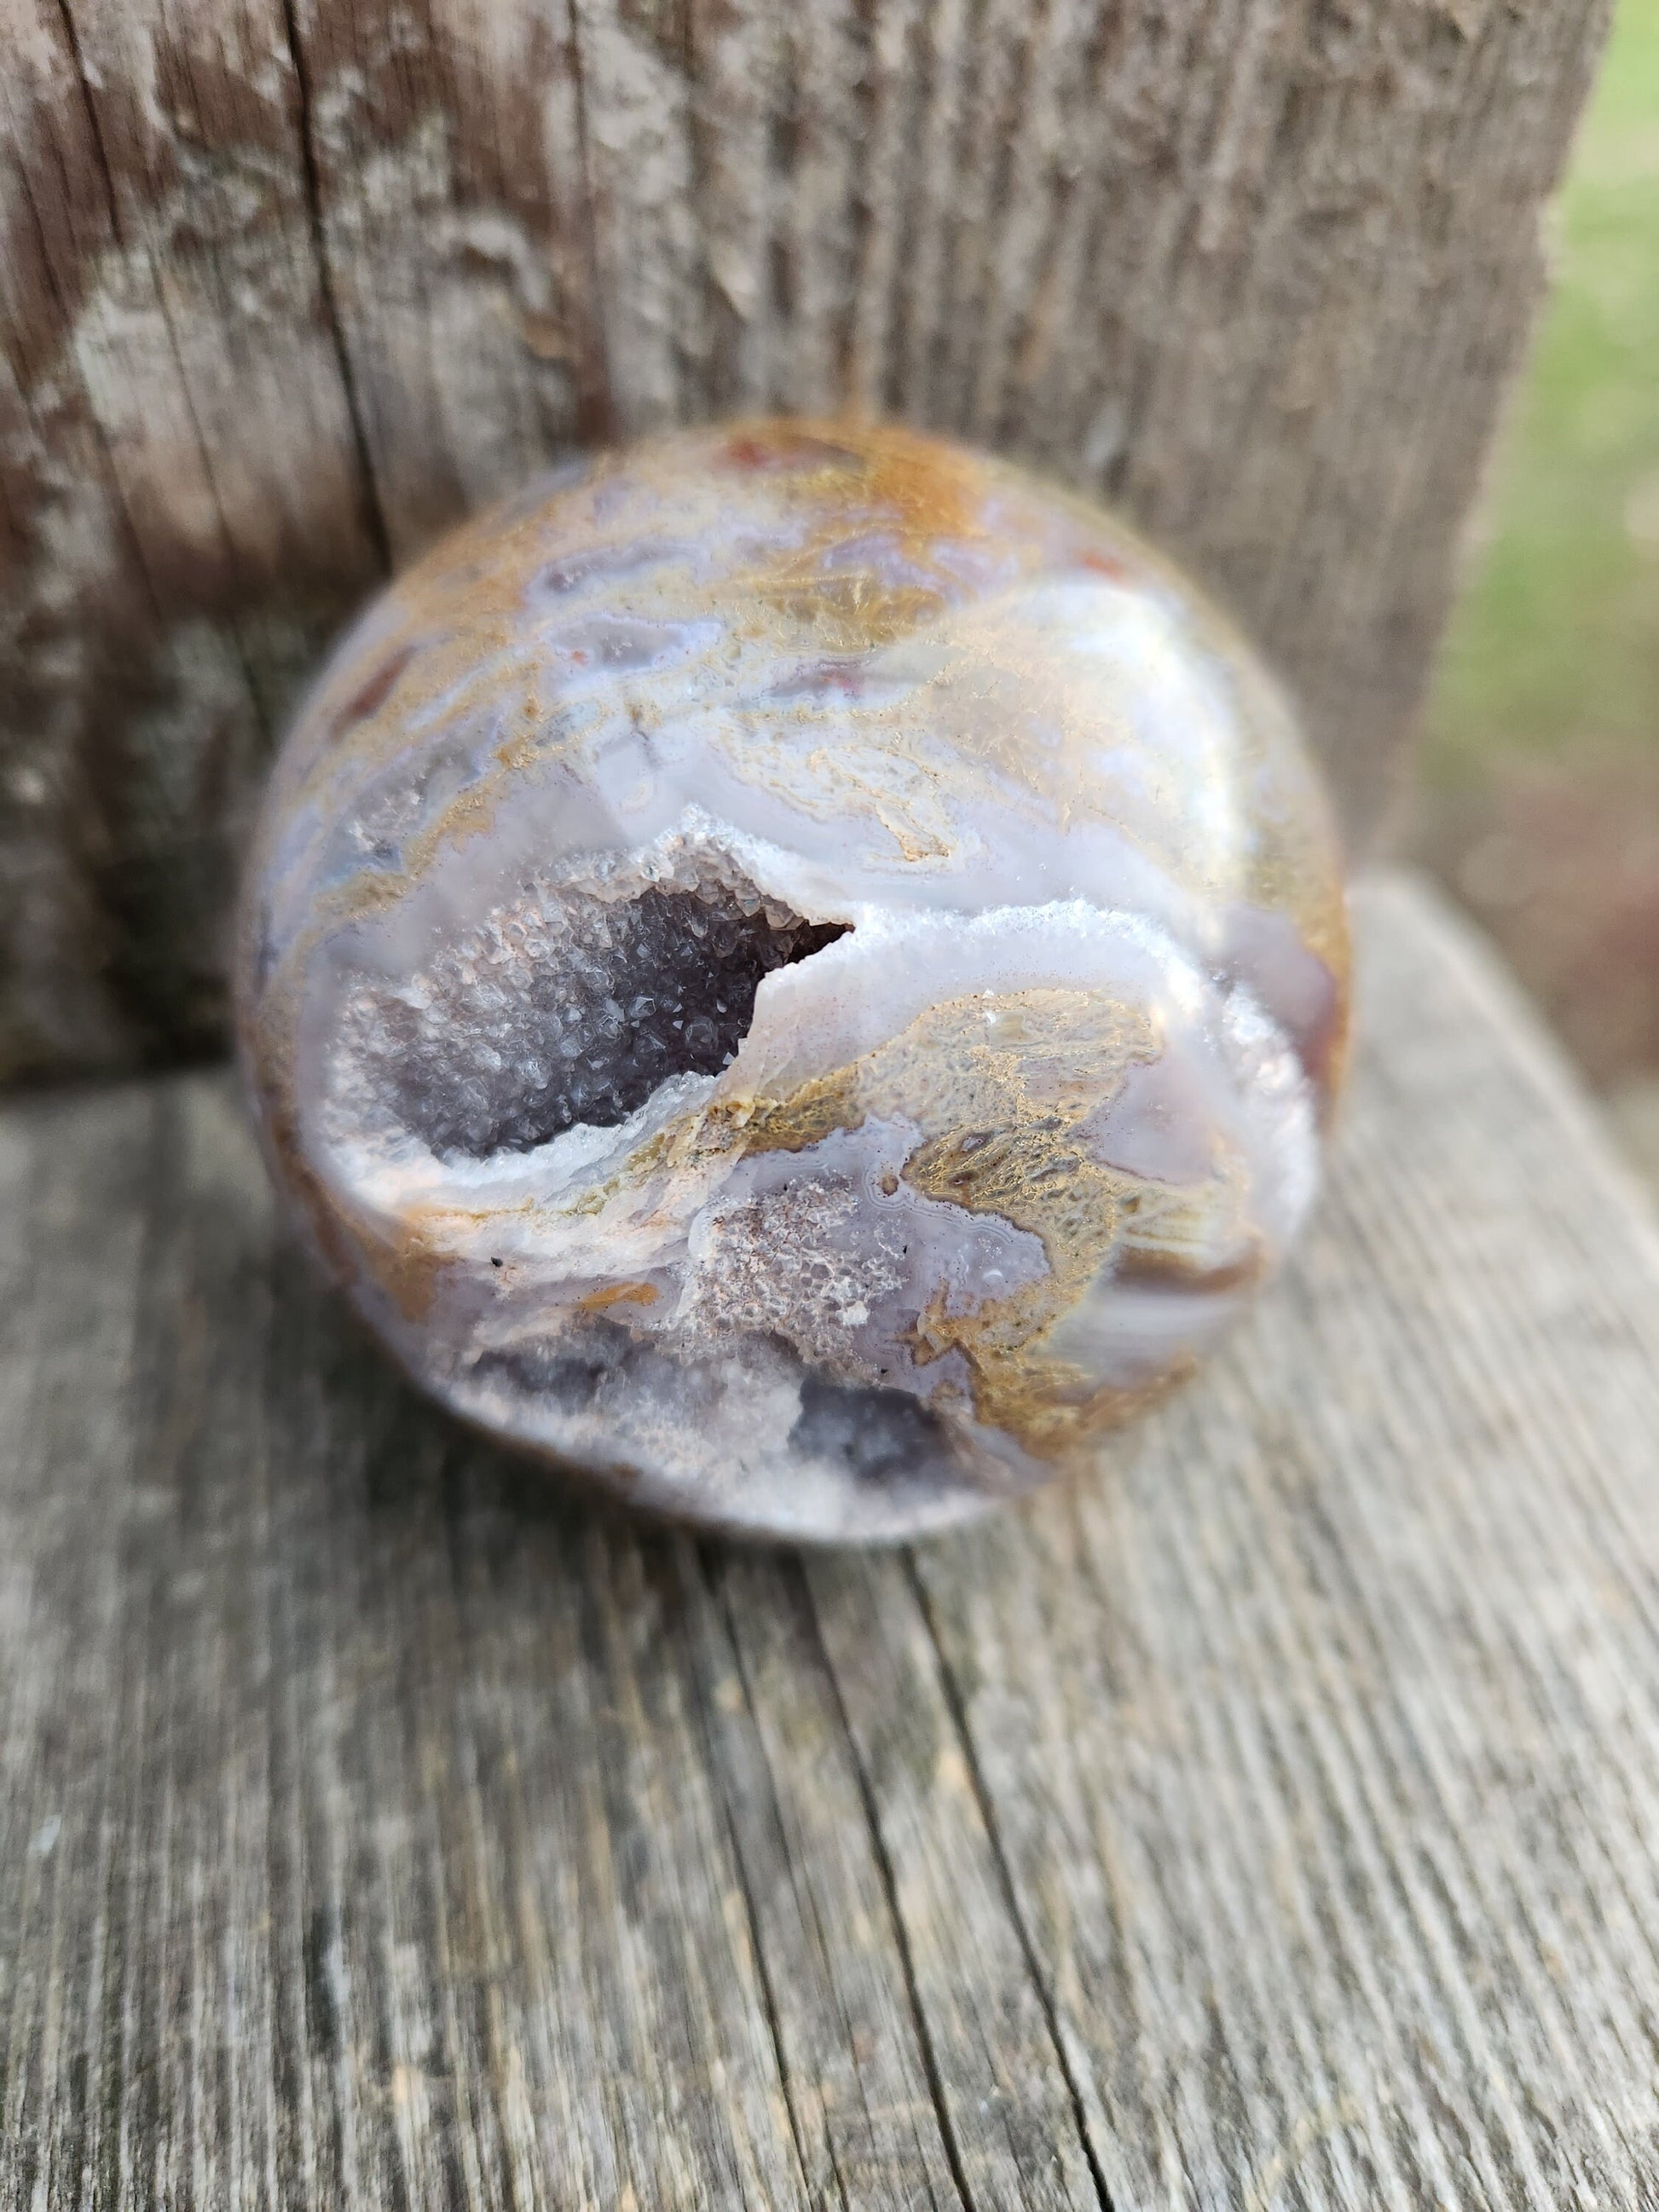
point(797, 969)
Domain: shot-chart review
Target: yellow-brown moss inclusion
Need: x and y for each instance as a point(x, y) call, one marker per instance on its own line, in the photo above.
point(999, 1087)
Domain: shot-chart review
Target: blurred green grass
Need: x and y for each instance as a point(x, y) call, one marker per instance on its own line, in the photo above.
point(1555, 643)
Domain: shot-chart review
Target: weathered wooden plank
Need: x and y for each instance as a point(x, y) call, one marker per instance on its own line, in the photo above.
point(286, 286)
point(1266, 1822)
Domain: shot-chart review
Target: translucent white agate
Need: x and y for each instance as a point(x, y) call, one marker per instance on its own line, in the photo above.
point(799, 970)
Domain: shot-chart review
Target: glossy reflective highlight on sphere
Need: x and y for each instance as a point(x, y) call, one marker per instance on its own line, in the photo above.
point(797, 970)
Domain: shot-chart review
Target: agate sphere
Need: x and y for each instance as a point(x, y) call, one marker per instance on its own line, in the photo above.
point(797, 969)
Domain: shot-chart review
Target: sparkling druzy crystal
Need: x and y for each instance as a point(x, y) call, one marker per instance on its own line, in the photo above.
point(797, 970)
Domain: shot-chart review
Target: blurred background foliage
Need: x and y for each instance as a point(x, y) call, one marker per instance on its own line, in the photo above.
point(1539, 797)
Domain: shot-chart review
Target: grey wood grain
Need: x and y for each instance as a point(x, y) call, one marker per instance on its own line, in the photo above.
point(1269, 1821)
point(288, 286)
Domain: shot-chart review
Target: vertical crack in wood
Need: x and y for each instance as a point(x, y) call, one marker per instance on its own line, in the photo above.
point(598, 421)
point(101, 433)
point(373, 515)
point(1005, 1878)
point(89, 108)
point(714, 392)
point(890, 1891)
point(129, 2080)
point(164, 308)
point(717, 1605)
point(129, 529)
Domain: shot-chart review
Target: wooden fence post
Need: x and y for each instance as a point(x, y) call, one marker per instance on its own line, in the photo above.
point(287, 285)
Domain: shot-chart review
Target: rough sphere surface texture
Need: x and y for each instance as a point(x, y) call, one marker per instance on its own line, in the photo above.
point(797, 970)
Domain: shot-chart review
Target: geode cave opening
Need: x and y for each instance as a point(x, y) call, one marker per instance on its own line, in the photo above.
point(570, 1008)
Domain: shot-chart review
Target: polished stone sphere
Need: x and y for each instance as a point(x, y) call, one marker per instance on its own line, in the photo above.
point(797, 969)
